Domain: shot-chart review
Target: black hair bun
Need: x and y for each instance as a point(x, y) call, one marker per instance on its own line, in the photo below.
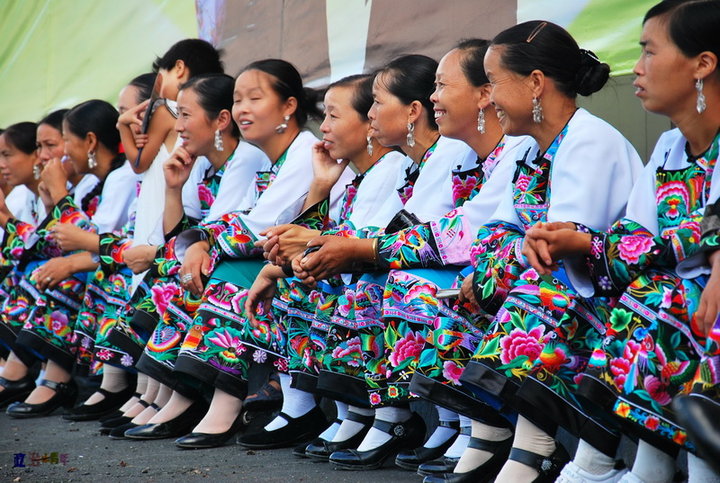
point(592, 74)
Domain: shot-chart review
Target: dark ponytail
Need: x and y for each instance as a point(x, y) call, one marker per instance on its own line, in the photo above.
point(287, 83)
point(549, 48)
point(215, 94)
point(411, 78)
point(22, 136)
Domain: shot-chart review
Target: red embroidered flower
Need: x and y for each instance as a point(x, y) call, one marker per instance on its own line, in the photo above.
point(408, 347)
point(452, 372)
point(521, 343)
point(632, 247)
point(161, 295)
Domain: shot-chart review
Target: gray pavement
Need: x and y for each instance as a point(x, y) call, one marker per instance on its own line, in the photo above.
point(89, 456)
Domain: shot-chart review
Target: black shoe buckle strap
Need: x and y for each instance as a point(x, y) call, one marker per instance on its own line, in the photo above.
point(393, 429)
point(489, 446)
point(533, 460)
point(359, 418)
point(466, 430)
point(55, 386)
point(450, 424)
point(155, 407)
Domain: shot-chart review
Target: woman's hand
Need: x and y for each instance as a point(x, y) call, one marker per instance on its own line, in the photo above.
point(285, 242)
point(261, 293)
point(54, 177)
point(177, 168)
point(70, 237)
point(133, 118)
point(326, 170)
point(139, 258)
point(335, 255)
point(546, 243)
point(196, 264)
point(709, 309)
point(51, 273)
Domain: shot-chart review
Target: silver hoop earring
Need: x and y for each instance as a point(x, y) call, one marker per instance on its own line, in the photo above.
point(282, 127)
point(700, 106)
point(37, 171)
point(537, 111)
point(92, 160)
point(411, 134)
point(369, 145)
point(481, 121)
point(218, 141)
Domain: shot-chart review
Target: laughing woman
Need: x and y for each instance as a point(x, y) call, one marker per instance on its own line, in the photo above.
point(580, 169)
point(53, 283)
point(661, 337)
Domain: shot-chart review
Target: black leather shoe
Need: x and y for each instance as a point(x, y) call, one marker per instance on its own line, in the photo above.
point(119, 432)
point(699, 416)
point(267, 398)
point(110, 404)
point(321, 449)
point(208, 440)
point(304, 428)
point(411, 459)
point(548, 466)
point(407, 434)
point(15, 390)
point(174, 428)
point(65, 395)
point(438, 467)
point(486, 471)
point(111, 424)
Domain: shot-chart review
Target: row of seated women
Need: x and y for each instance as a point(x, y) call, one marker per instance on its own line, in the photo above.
point(463, 233)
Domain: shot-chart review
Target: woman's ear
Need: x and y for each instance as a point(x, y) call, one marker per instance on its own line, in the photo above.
point(290, 106)
point(91, 142)
point(536, 82)
point(416, 110)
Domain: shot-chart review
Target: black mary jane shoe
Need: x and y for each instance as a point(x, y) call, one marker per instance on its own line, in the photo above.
point(174, 428)
point(485, 472)
point(321, 449)
point(108, 424)
point(303, 428)
point(411, 459)
point(267, 398)
point(438, 467)
point(699, 415)
point(549, 467)
point(210, 440)
point(65, 395)
point(119, 432)
point(407, 434)
point(110, 403)
point(15, 390)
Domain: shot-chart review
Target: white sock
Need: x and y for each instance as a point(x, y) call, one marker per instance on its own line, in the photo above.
point(296, 403)
point(471, 457)
point(114, 379)
point(140, 387)
point(699, 471)
point(442, 433)
point(375, 437)
point(40, 377)
point(458, 447)
point(652, 465)
point(591, 460)
point(530, 438)
point(173, 406)
point(332, 430)
point(348, 428)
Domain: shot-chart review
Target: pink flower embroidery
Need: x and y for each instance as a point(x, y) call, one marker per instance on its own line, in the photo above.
point(521, 343)
point(452, 372)
point(523, 182)
point(103, 354)
point(408, 347)
point(619, 368)
point(162, 294)
point(375, 399)
point(632, 247)
point(657, 390)
point(352, 351)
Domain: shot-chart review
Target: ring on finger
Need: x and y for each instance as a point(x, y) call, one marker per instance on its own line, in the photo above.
point(48, 279)
point(186, 278)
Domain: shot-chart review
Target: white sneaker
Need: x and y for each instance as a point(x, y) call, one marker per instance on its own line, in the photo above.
point(572, 473)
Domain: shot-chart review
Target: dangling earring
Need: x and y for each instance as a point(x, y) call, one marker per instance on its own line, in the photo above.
point(369, 145)
point(37, 171)
point(537, 112)
point(481, 121)
point(218, 141)
point(282, 127)
point(92, 160)
point(700, 106)
point(411, 134)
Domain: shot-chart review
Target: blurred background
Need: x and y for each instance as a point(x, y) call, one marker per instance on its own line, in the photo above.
point(57, 53)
